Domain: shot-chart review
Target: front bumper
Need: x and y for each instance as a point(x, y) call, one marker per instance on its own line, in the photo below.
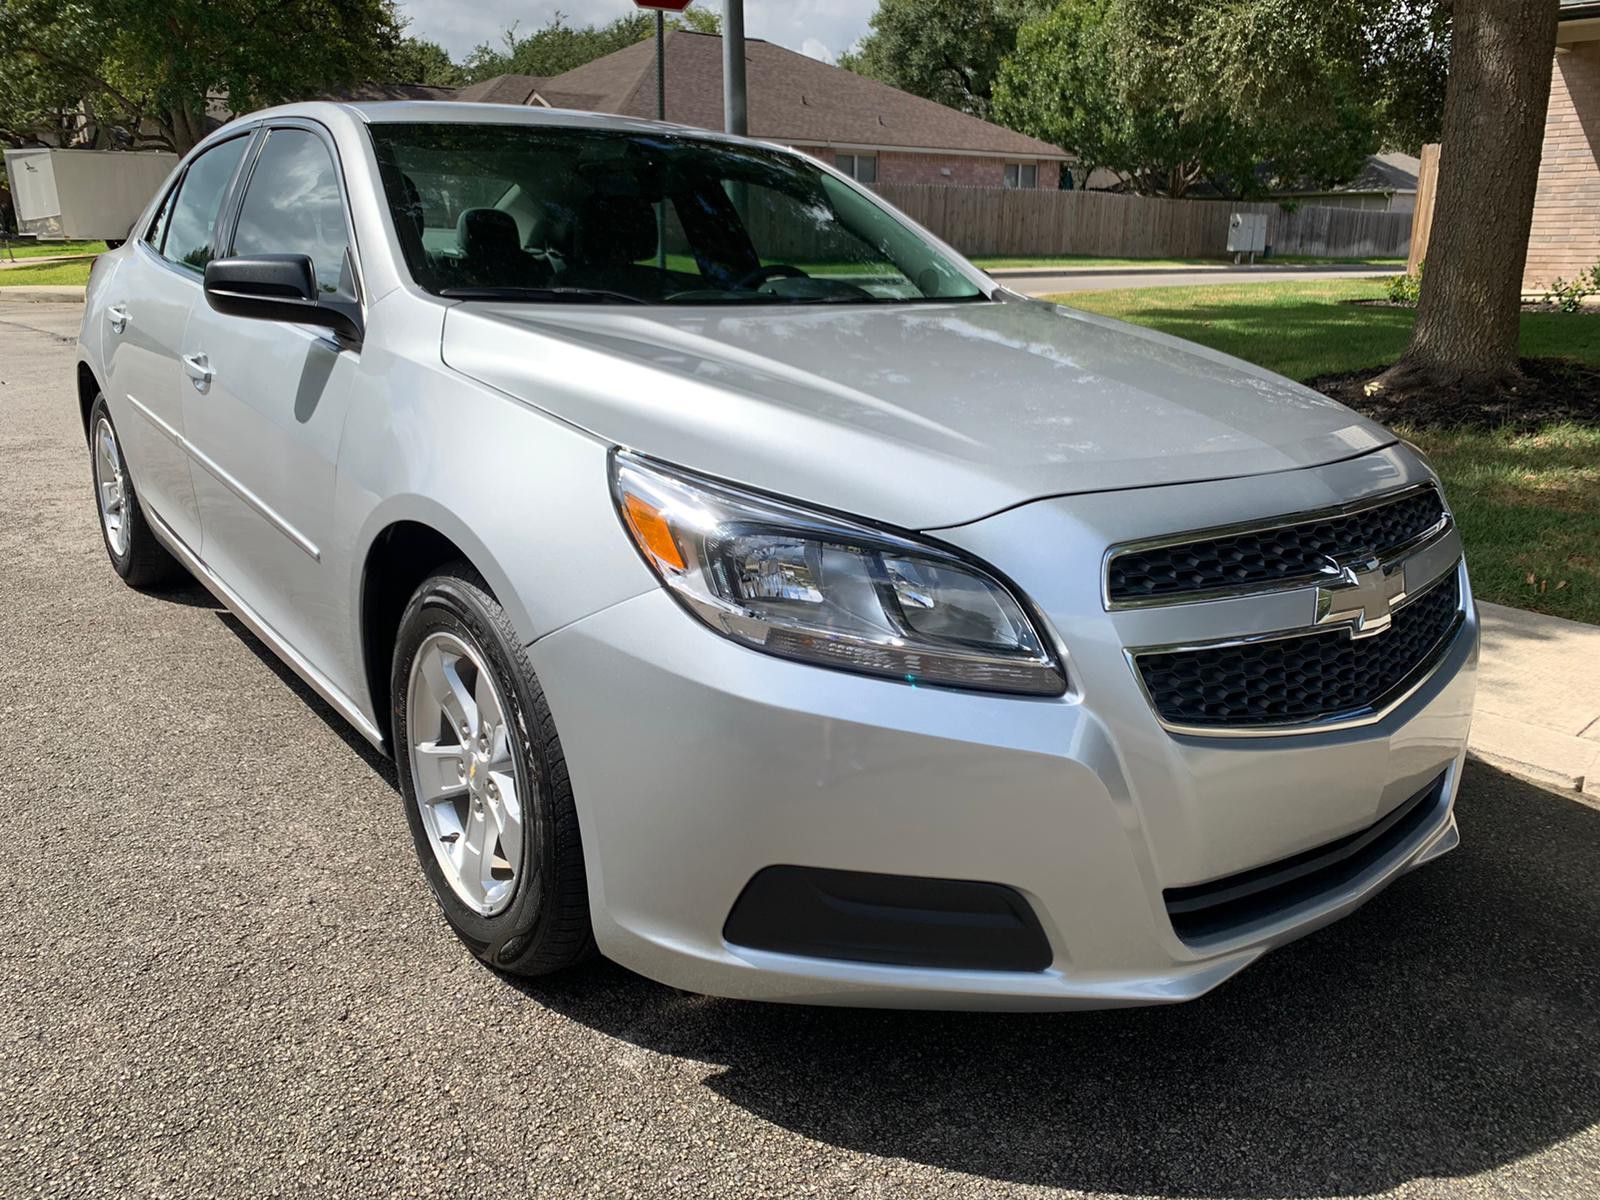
point(698, 763)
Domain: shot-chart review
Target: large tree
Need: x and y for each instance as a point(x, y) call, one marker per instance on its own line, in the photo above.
point(152, 67)
point(417, 60)
point(1389, 58)
point(944, 50)
point(1169, 94)
point(1494, 116)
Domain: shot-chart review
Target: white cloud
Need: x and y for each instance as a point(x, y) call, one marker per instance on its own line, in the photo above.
point(815, 49)
point(820, 28)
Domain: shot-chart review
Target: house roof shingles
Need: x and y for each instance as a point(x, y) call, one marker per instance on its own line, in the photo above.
point(1387, 172)
point(792, 98)
point(501, 89)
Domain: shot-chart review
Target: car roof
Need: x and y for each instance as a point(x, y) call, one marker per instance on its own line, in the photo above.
point(456, 112)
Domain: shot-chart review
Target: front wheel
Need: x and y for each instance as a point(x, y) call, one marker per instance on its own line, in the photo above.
point(484, 781)
point(135, 553)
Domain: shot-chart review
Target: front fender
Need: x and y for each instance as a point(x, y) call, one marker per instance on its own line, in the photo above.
point(526, 497)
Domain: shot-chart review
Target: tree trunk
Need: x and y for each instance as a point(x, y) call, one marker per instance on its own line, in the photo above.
point(1501, 55)
point(184, 128)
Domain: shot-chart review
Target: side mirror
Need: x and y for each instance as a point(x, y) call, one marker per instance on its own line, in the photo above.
point(278, 287)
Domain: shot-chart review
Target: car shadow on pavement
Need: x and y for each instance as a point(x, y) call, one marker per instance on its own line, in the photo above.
point(365, 750)
point(1448, 1028)
point(186, 593)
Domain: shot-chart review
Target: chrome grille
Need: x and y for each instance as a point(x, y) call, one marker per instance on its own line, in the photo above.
point(1196, 566)
point(1300, 678)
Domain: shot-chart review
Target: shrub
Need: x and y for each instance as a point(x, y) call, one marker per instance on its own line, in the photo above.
point(1568, 295)
point(1406, 289)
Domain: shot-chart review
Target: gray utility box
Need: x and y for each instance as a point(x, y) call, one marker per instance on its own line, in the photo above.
point(83, 195)
point(1247, 233)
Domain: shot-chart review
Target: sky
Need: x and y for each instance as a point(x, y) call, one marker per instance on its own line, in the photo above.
point(821, 28)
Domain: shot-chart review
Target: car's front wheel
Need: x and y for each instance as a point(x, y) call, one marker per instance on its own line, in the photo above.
point(484, 781)
point(135, 553)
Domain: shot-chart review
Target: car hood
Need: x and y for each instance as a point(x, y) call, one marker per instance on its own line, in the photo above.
point(923, 415)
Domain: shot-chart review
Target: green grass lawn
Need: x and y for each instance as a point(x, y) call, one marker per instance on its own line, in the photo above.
point(1070, 261)
point(1528, 504)
point(48, 249)
point(47, 273)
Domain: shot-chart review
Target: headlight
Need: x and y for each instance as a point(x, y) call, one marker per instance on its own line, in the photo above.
point(826, 590)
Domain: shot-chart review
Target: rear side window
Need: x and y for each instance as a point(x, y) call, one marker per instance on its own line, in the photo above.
point(293, 206)
point(193, 218)
point(158, 225)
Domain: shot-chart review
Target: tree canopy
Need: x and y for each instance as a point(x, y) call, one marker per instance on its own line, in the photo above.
point(1245, 96)
point(148, 67)
point(560, 46)
point(944, 50)
point(149, 73)
point(417, 60)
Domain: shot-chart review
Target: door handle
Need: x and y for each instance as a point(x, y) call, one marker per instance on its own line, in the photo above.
point(118, 317)
point(198, 368)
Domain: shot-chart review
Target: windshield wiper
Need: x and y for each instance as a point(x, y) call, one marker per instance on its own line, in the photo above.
point(579, 295)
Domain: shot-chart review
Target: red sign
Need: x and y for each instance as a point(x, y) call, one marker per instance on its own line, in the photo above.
point(665, 5)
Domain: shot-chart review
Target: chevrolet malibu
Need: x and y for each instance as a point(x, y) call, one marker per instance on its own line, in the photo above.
point(751, 591)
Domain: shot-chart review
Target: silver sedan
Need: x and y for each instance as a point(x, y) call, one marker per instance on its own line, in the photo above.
point(750, 590)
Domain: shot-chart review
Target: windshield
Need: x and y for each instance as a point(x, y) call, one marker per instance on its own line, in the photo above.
point(560, 215)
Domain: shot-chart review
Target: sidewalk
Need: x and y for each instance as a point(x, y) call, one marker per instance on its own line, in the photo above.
point(47, 293)
point(1265, 267)
point(7, 263)
point(1538, 711)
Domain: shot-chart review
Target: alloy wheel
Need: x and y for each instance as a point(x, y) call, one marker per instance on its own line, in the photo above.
point(467, 783)
point(111, 487)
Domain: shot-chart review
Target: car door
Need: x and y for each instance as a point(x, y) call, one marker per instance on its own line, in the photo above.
point(146, 312)
point(265, 402)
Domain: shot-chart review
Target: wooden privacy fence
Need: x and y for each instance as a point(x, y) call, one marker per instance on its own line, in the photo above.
point(997, 222)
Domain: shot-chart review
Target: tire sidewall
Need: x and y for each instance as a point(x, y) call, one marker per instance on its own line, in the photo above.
point(447, 604)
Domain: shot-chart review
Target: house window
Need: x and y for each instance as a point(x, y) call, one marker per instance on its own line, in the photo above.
point(1022, 175)
point(863, 168)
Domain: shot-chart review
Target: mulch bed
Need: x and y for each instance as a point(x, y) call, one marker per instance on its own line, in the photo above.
point(1552, 390)
point(1528, 306)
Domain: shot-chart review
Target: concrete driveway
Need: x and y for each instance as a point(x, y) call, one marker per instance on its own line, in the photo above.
point(1041, 282)
point(221, 974)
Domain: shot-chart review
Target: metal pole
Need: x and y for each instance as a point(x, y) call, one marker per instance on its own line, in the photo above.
point(661, 115)
point(735, 106)
point(661, 65)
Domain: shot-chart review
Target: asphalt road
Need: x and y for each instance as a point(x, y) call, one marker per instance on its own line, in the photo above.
point(221, 973)
point(1105, 281)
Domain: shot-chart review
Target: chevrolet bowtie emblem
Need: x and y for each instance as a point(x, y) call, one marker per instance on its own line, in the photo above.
point(1360, 595)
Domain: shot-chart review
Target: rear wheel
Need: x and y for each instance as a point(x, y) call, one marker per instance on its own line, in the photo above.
point(135, 553)
point(484, 781)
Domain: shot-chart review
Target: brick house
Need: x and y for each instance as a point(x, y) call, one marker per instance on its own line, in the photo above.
point(873, 132)
point(1565, 237)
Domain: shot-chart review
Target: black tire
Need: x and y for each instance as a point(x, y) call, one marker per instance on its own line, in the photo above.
point(546, 926)
point(146, 562)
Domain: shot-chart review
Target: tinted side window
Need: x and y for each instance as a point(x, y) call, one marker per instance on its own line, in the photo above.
point(293, 206)
point(158, 225)
point(194, 213)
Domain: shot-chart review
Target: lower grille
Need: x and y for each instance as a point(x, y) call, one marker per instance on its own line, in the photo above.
point(1224, 907)
point(895, 920)
point(1302, 678)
